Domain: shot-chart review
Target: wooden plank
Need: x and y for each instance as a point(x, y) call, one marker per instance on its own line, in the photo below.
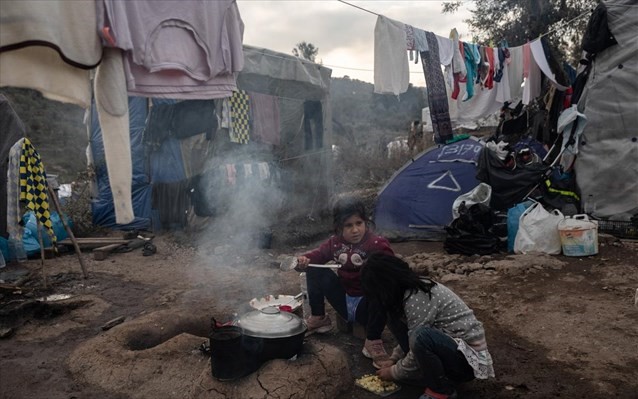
point(102, 253)
point(94, 241)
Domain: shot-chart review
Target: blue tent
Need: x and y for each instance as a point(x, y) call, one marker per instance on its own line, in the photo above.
point(416, 203)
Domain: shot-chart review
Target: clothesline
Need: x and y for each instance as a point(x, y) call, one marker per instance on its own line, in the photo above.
point(327, 65)
point(360, 8)
point(541, 35)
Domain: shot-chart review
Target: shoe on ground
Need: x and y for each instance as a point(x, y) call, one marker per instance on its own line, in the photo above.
point(318, 324)
point(430, 394)
point(374, 349)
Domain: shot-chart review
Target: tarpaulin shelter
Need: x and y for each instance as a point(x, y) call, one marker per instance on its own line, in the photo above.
point(607, 162)
point(416, 202)
point(208, 167)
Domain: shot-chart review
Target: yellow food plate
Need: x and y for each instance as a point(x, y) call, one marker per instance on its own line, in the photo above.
point(380, 393)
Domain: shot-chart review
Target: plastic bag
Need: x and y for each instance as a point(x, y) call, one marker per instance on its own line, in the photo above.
point(538, 231)
point(471, 233)
point(480, 194)
point(513, 217)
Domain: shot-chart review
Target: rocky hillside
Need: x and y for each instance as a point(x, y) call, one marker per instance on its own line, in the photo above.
point(56, 130)
point(364, 118)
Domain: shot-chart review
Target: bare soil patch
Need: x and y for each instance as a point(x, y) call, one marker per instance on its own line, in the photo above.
point(556, 326)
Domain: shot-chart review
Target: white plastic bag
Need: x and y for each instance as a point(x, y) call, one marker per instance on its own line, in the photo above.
point(480, 194)
point(538, 231)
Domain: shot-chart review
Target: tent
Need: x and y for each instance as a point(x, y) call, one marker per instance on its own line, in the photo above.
point(186, 166)
point(416, 203)
point(607, 162)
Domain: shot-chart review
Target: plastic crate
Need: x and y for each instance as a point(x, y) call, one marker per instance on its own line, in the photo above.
point(619, 229)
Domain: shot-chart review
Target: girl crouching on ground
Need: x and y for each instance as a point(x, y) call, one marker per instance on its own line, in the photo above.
point(441, 343)
point(351, 245)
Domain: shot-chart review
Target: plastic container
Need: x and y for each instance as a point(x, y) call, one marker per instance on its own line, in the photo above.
point(578, 236)
point(17, 251)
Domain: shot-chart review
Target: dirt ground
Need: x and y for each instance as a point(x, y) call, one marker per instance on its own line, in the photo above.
point(556, 326)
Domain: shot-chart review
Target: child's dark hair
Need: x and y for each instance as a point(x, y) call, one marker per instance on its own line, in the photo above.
point(386, 278)
point(344, 208)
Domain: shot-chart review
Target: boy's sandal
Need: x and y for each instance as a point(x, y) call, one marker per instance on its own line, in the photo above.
point(149, 249)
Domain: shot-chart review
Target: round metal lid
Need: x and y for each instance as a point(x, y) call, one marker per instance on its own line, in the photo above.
point(270, 322)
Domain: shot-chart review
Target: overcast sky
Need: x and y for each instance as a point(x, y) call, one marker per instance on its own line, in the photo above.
point(343, 34)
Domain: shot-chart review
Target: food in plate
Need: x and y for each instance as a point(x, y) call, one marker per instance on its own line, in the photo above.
point(276, 300)
point(375, 384)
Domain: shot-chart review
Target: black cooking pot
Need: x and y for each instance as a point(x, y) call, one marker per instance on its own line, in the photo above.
point(227, 358)
point(256, 337)
point(272, 334)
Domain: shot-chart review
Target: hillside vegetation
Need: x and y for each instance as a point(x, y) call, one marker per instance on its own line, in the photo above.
point(56, 130)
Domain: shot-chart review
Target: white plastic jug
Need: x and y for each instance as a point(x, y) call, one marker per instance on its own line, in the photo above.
point(578, 236)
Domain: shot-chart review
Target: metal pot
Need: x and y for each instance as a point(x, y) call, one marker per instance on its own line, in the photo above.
point(227, 358)
point(271, 334)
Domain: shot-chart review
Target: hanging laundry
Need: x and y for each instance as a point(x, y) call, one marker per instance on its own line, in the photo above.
point(248, 171)
point(412, 46)
point(437, 93)
point(239, 117)
point(540, 57)
point(224, 120)
point(532, 76)
point(34, 187)
point(409, 37)
point(11, 131)
point(194, 117)
point(194, 152)
point(391, 70)
point(231, 174)
point(176, 49)
point(484, 65)
point(446, 49)
point(13, 191)
point(167, 164)
point(266, 126)
point(172, 201)
point(489, 80)
point(264, 170)
point(111, 103)
point(503, 60)
point(458, 63)
point(313, 125)
point(167, 84)
point(28, 24)
point(515, 71)
point(470, 51)
point(159, 125)
point(503, 92)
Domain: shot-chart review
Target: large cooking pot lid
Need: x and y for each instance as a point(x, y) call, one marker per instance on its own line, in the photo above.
point(270, 322)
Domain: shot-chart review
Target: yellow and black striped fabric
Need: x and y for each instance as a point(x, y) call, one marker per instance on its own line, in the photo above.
point(239, 117)
point(33, 186)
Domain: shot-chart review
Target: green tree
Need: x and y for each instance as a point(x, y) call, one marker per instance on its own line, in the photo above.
point(307, 51)
point(518, 21)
